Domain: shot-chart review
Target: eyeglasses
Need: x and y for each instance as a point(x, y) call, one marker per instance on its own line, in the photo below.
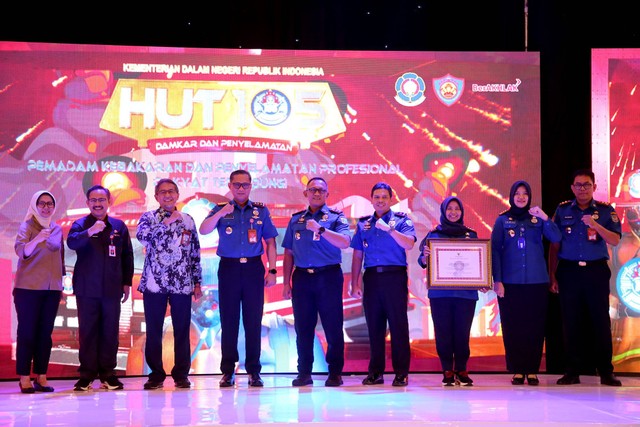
point(314, 190)
point(244, 185)
point(100, 200)
point(45, 204)
point(581, 186)
point(165, 192)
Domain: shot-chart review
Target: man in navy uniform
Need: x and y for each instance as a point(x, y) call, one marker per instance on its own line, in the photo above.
point(102, 279)
point(313, 243)
point(381, 241)
point(580, 275)
point(242, 226)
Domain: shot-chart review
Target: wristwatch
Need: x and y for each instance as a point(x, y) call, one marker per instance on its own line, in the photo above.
point(321, 230)
point(273, 271)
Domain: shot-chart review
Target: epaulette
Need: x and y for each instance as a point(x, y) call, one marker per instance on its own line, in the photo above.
point(598, 202)
point(400, 214)
point(221, 204)
point(299, 212)
point(257, 204)
point(503, 212)
point(364, 218)
point(566, 202)
point(335, 211)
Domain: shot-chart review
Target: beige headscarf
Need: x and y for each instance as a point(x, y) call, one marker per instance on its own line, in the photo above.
point(33, 209)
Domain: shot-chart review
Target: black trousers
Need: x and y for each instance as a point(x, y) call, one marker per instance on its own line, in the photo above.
point(241, 294)
point(385, 300)
point(314, 294)
point(523, 312)
point(452, 319)
point(98, 329)
point(155, 309)
point(584, 294)
point(36, 312)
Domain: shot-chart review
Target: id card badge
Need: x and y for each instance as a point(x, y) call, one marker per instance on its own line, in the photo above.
point(112, 250)
point(521, 243)
point(316, 236)
point(186, 238)
point(252, 233)
point(592, 234)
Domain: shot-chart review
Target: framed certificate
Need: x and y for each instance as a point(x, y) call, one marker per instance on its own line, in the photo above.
point(459, 264)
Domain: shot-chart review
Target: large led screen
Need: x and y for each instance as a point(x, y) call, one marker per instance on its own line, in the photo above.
point(430, 124)
point(615, 149)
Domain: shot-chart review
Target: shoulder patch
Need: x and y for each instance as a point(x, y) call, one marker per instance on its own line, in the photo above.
point(400, 214)
point(364, 218)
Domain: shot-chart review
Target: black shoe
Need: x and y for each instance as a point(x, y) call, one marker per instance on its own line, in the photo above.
point(532, 379)
point(255, 380)
point(400, 381)
point(83, 384)
point(153, 385)
point(228, 380)
point(334, 380)
point(373, 379)
point(610, 379)
point(517, 379)
point(448, 379)
point(568, 379)
point(182, 383)
point(26, 390)
point(111, 383)
point(42, 388)
point(462, 378)
point(302, 380)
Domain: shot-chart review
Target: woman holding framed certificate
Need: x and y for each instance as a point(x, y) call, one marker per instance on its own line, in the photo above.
point(452, 310)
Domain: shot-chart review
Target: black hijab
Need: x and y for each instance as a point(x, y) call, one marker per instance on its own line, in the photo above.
point(452, 228)
point(514, 211)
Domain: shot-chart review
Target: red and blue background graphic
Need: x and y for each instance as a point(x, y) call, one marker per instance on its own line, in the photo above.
point(124, 116)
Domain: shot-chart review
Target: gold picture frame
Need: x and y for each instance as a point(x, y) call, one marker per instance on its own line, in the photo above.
point(459, 264)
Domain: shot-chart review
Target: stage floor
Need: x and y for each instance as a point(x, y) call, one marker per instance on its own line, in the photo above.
point(492, 401)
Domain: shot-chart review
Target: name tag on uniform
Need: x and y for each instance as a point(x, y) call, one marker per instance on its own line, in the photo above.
point(186, 238)
point(252, 234)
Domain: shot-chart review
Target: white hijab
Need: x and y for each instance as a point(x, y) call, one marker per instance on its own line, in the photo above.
point(33, 209)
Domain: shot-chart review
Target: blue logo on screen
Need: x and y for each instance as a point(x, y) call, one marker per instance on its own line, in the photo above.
point(271, 107)
point(628, 284)
point(448, 89)
point(410, 90)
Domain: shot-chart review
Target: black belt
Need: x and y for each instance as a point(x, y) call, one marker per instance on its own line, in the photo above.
point(385, 268)
point(242, 260)
point(314, 270)
point(584, 263)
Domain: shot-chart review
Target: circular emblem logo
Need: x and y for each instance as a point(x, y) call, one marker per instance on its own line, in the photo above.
point(271, 107)
point(628, 284)
point(410, 90)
